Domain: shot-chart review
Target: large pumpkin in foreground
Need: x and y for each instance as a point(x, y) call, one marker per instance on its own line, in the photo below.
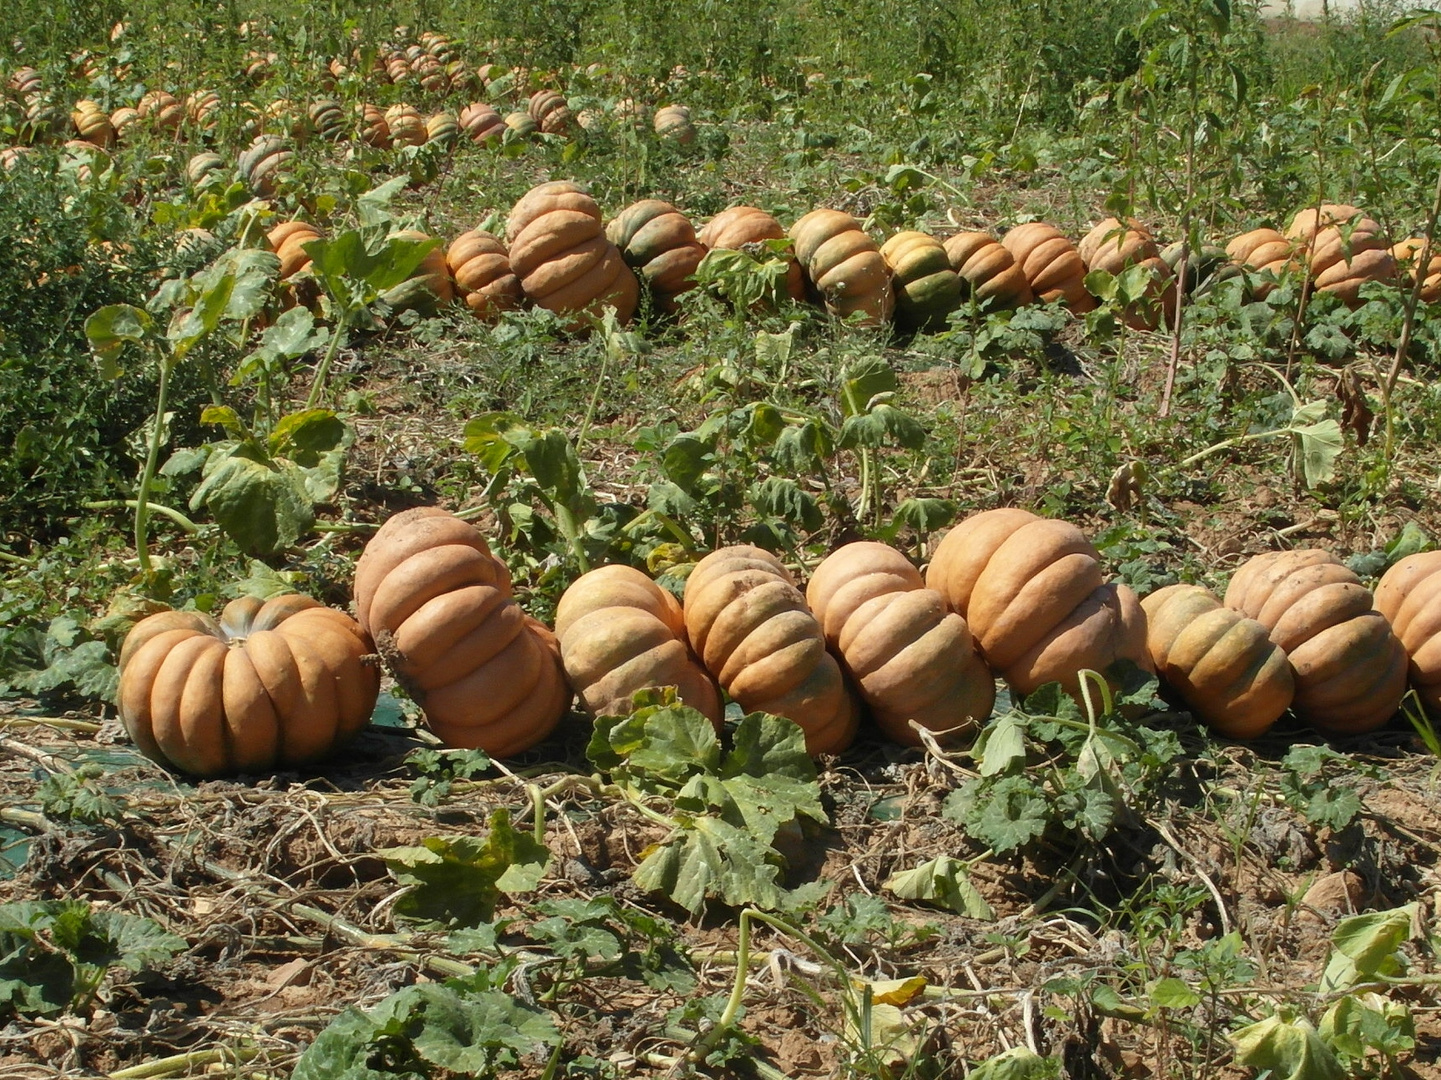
point(1223, 665)
point(1409, 595)
point(439, 606)
point(270, 684)
point(1350, 668)
point(751, 628)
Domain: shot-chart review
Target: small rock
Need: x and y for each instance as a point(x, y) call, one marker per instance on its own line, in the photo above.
point(1334, 895)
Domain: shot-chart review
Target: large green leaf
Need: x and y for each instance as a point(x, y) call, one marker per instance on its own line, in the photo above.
point(1289, 1047)
point(263, 504)
point(110, 329)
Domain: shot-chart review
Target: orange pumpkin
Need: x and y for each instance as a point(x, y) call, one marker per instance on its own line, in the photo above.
point(1350, 668)
point(480, 266)
point(439, 606)
point(927, 289)
point(736, 228)
point(275, 683)
point(659, 243)
point(1409, 595)
point(1053, 267)
point(844, 265)
point(989, 270)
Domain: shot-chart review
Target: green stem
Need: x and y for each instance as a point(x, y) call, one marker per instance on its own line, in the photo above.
point(1226, 444)
point(1408, 324)
point(186, 1064)
point(322, 373)
point(566, 520)
point(186, 525)
point(15, 560)
point(152, 457)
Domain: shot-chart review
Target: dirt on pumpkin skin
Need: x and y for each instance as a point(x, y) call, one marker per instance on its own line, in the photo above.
point(285, 905)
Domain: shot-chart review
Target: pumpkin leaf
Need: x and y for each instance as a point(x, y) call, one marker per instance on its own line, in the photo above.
point(263, 504)
point(110, 329)
point(1289, 1047)
point(1364, 946)
point(1017, 1063)
point(707, 857)
point(943, 881)
point(456, 881)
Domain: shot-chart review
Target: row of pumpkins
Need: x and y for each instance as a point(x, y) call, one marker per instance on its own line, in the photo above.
point(545, 111)
point(286, 681)
point(561, 255)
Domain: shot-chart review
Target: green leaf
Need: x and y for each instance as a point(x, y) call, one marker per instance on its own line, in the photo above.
point(262, 504)
point(862, 382)
point(1359, 1024)
point(883, 423)
point(1173, 993)
point(294, 334)
point(1364, 946)
point(1001, 745)
point(686, 460)
point(1289, 1047)
point(458, 880)
point(1320, 446)
point(921, 515)
point(709, 857)
point(944, 881)
point(304, 436)
point(1017, 1063)
point(1003, 814)
point(782, 499)
point(110, 329)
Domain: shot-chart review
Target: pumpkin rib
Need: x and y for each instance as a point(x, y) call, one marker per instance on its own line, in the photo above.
point(450, 633)
point(252, 726)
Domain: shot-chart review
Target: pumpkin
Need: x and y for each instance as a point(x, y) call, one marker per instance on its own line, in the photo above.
point(559, 252)
point(429, 286)
point(25, 81)
point(1343, 249)
point(1205, 266)
point(673, 124)
point(263, 163)
point(442, 128)
point(927, 289)
point(396, 67)
point(521, 124)
point(1222, 664)
point(374, 129)
point(161, 109)
point(202, 110)
point(11, 156)
point(738, 227)
point(275, 683)
point(461, 79)
point(1350, 668)
point(1053, 267)
point(1264, 251)
point(93, 124)
point(1407, 595)
point(123, 119)
point(204, 165)
point(481, 123)
point(909, 657)
point(659, 243)
point(751, 628)
point(843, 265)
point(327, 119)
point(406, 126)
point(1031, 590)
point(989, 270)
point(621, 633)
point(431, 74)
point(480, 266)
point(439, 606)
point(1408, 261)
point(288, 241)
point(44, 120)
point(1116, 248)
point(551, 112)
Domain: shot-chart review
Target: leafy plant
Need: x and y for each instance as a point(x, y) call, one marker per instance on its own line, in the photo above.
point(1313, 783)
point(726, 809)
point(56, 954)
point(62, 660)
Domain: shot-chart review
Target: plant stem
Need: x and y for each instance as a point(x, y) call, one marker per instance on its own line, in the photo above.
point(16, 560)
point(566, 520)
point(186, 525)
point(184, 1064)
point(322, 373)
point(1408, 324)
point(152, 456)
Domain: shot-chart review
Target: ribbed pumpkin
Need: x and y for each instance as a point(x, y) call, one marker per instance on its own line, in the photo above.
point(735, 228)
point(751, 628)
point(989, 270)
point(1409, 595)
point(1116, 248)
point(429, 287)
point(1031, 590)
point(481, 123)
point(1053, 267)
point(374, 129)
point(439, 606)
point(480, 266)
point(202, 110)
point(620, 633)
point(559, 252)
point(1343, 249)
point(659, 243)
point(551, 112)
point(123, 119)
point(910, 658)
point(407, 127)
point(673, 123)
point(263, 163)
point(1264, 251)
point(521, 124)
point(844, 265)
point(327, 119)
point(1408, 258)
point(274, 683)
point(1223, 665)
point(288, 241)
point(1350, 668)
point(927, 288)
point(161, 109)
point(442, 128)
point(25, 81)
point(202, 166)
point(93, 124)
